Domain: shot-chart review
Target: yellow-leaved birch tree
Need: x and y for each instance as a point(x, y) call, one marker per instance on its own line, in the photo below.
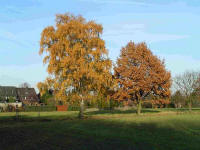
point(78, 63)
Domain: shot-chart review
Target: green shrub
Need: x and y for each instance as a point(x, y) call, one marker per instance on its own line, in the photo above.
point(107, 104)
point(73, 108)
point(11, 100)
point(39, 108)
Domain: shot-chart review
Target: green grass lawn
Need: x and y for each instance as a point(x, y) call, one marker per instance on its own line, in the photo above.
point(161, 129)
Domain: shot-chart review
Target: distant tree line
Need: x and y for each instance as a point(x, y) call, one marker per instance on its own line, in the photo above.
point(187, 90)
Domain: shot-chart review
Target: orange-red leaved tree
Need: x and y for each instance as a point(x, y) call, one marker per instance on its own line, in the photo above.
point(139, 74)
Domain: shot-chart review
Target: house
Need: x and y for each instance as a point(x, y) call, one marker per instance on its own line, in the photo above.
point(7, 92)
point(24, 95)
point(27, 95)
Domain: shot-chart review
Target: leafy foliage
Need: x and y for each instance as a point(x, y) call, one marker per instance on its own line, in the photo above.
point(139, 74)
point(11, 99)
point(47, 98)
point(78, 64)
point(39, 108)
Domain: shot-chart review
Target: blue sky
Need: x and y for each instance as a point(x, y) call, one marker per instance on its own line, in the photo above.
point(170, 28)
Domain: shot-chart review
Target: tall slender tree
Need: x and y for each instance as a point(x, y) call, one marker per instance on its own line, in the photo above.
point(77, 59)
point(139, 73)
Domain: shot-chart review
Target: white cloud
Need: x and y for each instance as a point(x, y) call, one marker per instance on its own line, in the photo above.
point(7, 35)
point(14, 75)
point(122, 33)
point(147, 2)
point(118, 35)
point(127, 2)
point(7, 80)
point(12, 38)
point(12, 10)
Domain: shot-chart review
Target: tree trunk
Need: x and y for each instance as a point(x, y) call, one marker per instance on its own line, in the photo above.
point(190, 106)
point(139, 107)
point(81, 115)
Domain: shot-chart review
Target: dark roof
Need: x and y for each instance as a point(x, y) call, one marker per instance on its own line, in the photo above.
point(27, 92)
point(8, 91)
point(21, 94)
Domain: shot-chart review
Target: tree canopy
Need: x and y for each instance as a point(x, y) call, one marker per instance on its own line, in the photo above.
point(139, 73)
point(78, 63)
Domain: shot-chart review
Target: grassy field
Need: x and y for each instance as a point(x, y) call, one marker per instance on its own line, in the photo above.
point(161, 129)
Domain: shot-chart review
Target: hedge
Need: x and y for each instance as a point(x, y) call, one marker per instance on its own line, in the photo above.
point(39, 108)
point(73, 108)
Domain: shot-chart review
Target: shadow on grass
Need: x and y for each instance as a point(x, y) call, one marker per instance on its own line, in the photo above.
point(182, 109)
point(129, 111)
point(37, 118)
point(89, 134)
point(41, 118)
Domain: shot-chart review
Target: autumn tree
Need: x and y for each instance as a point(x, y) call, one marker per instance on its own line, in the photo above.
point(77, 59)
point(105, 98)
point(188, 84)
point(139, 74)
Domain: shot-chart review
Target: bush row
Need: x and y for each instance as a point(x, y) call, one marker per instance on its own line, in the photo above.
point(38, 108)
